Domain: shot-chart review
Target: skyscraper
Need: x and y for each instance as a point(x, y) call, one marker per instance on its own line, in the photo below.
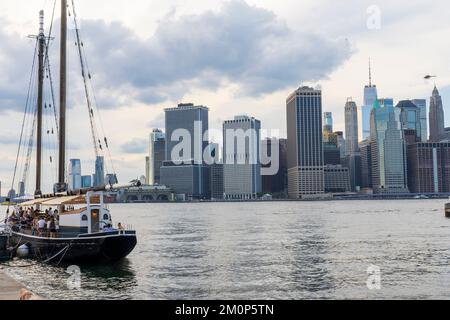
point(389, 169)
point(328, 122)
point(157, 153)
point(275, 183)
point(242, 165)
point(351, 128)
point(99, 175)
point(21, 189)
point(193, 120)
point(74, 174)
point(370, 97)
point(305, 143)
point(422, 105)
point(86, 182)
point(184, 169)
point(216, 173)
point(410, 118)
point(437, 126)
point(341, 143)
point(337, 179)
point(366, 164)
point(331, 153)
point(429, 167)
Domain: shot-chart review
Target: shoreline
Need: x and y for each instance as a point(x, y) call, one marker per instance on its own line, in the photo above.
point(360, 198)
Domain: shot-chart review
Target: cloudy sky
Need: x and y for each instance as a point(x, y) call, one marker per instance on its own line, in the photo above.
point(235, 56)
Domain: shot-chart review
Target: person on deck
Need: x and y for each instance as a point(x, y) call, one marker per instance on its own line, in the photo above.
point(41, 226)
point(52, 227)
point(34, 226)
point(13, 219)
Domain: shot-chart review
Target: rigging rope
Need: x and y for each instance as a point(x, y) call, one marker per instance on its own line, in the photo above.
point(47, 64)
point(83, 74)
point(23, 124)
point(99, 145)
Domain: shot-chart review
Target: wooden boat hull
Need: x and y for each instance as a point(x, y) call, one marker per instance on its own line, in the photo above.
point(94, 248)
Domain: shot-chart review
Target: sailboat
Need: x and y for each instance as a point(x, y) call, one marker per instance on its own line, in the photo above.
point(85, 231)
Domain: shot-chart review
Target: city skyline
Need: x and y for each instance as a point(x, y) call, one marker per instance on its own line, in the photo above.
point(225, 97)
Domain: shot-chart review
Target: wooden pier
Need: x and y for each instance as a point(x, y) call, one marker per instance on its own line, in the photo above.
point(9, 288)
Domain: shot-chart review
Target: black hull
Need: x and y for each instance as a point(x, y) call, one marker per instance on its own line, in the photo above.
point(110, 247)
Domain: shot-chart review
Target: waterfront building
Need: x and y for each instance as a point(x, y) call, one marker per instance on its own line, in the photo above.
point(366, 164)
point(86, 182)
point(389, 167)
point(437, 124)
point(145, 193)
point(242, 165)
point(189, 180)
point(429, 167)
point(422, 105)
point(370, 97)
point(99, 175)
point(156, 157)
point(185, 172)
point(305, 143)
point(337, 179)
point(328, 122)
point(74, 174)
point(410, 118)
point(275, 184)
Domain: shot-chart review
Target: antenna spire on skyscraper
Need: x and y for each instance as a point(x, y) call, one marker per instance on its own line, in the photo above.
point(370, 73)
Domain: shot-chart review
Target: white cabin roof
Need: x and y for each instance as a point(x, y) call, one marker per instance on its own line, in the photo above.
point(57, 201)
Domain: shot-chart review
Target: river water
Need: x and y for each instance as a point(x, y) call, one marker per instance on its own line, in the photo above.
point(271, 250)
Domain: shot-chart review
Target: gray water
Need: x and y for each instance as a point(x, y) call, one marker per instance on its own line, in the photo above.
point(273, 250)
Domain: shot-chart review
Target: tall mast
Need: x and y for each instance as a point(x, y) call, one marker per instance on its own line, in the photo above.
point(370, 72)
point(62, 99)
point(41, 39)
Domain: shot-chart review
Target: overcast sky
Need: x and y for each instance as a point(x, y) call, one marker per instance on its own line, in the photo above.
point(236, 57)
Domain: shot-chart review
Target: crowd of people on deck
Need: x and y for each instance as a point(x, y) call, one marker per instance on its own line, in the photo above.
point(43, 224)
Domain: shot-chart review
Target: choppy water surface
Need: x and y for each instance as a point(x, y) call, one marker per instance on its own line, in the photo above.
point(285, 250)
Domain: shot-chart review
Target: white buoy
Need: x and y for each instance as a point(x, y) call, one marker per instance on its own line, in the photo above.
point(23, 251)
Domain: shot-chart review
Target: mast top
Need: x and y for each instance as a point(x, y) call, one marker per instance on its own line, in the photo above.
point(41, 22)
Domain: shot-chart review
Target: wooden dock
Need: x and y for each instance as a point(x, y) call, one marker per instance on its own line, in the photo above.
point(9, 288)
